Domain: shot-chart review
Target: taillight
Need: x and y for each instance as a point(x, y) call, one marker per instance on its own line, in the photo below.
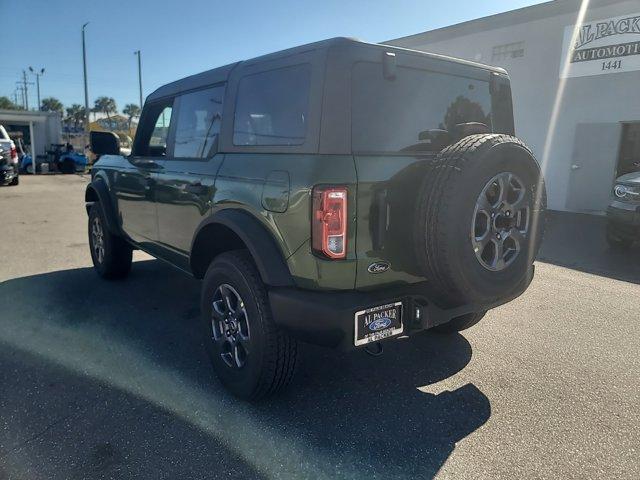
point(14, 154)
point(329, 222)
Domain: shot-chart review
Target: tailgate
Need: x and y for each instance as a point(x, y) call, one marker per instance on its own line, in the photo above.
point(388, 189)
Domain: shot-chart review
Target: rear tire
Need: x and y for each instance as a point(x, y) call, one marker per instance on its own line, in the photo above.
point(68, 166)
point(617, 240)
point(251, 356)
point(111, 254)
point(460, 323)
point(15, 181)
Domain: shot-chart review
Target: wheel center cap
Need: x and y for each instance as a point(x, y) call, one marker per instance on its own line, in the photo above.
point(232, 327)
point(503, 221)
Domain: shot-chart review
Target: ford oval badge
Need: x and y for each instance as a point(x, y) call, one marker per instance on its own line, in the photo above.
point(379, 324)
point(378, 267)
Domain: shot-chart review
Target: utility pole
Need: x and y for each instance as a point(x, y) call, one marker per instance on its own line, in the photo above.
point(25, 89)
point(137, 52)
point(86, 89)
point(38, 74)
point(20, 89)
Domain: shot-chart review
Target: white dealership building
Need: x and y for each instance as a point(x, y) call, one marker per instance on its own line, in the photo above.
point(575, 73)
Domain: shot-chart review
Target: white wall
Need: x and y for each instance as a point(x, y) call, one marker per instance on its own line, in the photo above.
point(47, 127)
point(535, 80)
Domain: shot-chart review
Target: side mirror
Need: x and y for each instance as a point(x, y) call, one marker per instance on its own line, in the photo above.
point(104, 143)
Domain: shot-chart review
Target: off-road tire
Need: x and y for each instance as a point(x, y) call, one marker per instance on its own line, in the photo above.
point(446, 206)
point(271, 360)
point(460, 323)
point(116, 260)
point(617, 240)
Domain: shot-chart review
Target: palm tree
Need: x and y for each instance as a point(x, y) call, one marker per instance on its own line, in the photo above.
point(106, 105)
point(76, 114)
point(6, 104)
point(51, 104)
point(131, 110)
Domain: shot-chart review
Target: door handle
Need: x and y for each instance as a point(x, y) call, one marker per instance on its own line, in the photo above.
point(147, 164)
point(575, 167)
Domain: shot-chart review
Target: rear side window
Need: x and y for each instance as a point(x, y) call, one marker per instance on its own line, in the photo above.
point(198, 123)
point(417, 111)
point(272, 107)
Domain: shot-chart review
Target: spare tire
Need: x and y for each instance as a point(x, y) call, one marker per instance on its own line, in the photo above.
point(480, 219)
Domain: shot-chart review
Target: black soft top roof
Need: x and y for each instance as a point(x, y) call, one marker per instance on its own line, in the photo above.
point(221, 74)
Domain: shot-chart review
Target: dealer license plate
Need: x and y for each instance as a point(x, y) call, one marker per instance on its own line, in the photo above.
point(374, 324)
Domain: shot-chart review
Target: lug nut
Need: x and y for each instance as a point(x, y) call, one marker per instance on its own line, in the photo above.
point(508, 213)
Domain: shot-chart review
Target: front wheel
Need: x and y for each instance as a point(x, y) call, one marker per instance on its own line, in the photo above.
point(251, 356)
point(111, 254)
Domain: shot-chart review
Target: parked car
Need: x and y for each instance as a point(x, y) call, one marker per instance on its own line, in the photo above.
point(340, 193)
point(66, 159)
point(8, 159)
point(623, 214)
point(60, 156)
point(8, 171)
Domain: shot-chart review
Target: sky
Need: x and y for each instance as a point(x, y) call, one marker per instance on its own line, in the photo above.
point(182, 37)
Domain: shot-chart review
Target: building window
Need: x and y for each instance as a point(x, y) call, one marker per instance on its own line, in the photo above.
point(507, 51)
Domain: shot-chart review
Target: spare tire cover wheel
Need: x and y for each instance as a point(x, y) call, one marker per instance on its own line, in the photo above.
point(480, 218)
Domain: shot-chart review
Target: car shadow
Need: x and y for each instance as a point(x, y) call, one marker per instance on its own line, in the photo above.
point(347, 414)
point(57, 424)
point(578, 241)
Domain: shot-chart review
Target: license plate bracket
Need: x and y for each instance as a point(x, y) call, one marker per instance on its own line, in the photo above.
point(377, 323)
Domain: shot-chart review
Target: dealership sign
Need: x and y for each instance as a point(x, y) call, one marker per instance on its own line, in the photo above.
point(602, 46)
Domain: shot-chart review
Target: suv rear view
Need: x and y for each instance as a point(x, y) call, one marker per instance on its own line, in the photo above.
point(338, 193)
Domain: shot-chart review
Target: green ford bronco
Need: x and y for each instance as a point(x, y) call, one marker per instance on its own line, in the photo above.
point(339, 193)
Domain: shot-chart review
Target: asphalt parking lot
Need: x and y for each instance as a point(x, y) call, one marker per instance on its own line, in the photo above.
point(110, 379)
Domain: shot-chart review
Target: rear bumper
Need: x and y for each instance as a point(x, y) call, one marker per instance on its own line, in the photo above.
point(328, 318)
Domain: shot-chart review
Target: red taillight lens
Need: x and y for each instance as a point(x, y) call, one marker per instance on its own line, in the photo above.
point(14, 154)
point(329, 222)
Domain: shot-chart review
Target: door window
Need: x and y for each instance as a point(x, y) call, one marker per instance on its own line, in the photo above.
point(154, 130)
point(198, 123)
point(161, 130)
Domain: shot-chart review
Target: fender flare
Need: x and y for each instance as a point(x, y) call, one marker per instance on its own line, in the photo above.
point(259, 241)
point(98, 188)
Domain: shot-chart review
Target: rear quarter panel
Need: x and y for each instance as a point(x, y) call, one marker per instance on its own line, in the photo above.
point(242, 182)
